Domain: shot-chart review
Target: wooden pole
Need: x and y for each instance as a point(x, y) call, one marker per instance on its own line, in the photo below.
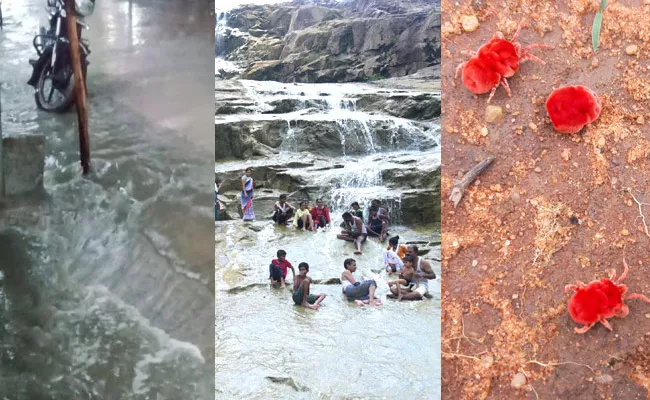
point(79, 86)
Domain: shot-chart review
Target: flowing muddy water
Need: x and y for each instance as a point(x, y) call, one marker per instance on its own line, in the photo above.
point(267, 348)
point(105, 282)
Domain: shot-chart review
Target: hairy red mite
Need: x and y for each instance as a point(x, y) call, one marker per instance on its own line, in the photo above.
point(495, 61)
point(600, 300)
point(572, 107)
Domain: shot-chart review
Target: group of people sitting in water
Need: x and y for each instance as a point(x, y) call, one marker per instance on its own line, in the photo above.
point(354, 228)
point(305, 218)
point(412, 272)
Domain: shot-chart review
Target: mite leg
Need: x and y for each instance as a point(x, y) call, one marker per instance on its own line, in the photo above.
point(522, 24)
point(626, 269)
point(568, 288)
point(528, 48)
point(607, 325)
point(504, 82)
point(612, 274)
point(584, 328)
point(459, 68)
point(493, 91)
point(528, 56)
point(624, 312)
point(637, 296)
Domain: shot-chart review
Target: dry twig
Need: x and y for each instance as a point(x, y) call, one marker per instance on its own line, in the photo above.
point(444, 353)
point(641, 215)
point(560, 363)
point(463, 336)
point(458, 190)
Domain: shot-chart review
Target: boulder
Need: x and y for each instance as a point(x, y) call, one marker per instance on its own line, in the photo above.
point(332, 41)
point(420, 206)
point(308, 15)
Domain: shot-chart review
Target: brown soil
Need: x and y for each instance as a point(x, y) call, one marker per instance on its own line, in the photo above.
point(552, 208)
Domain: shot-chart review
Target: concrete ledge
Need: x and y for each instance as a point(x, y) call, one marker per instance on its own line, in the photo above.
point(23, 162)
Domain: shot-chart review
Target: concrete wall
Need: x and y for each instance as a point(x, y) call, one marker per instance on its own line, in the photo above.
point(23, 161)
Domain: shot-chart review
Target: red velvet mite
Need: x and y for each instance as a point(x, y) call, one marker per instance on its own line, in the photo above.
point(495, 61)
point(600, 300)
point(572, 107)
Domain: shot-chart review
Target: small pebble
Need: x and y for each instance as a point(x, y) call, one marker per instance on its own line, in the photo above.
point(518, 381)
point(604, 379)
point(514, 195)
point(447, 28)
point(632, 50)
point(487, 361)
point(594, 62)
point(538, 170)
point(474, 263)
point(484, 131)
point(640, 120)
point(625, 232)
point(515, 296)
point(493, 114)
point(647, 315)
point(469, 22)
point(601, 142)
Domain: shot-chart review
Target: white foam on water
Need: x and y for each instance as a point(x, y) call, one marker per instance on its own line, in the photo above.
point(51, 162)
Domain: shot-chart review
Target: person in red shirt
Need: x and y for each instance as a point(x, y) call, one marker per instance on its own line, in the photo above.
point(321, 215)
point(278, 269)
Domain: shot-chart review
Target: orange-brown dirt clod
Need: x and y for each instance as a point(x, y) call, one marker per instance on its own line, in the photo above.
point(564, 209)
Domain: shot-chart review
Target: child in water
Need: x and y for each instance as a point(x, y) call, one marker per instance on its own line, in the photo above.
point(278, 269)
point(356, 210)
point(392, 262)
point(407, 278)
point(301, 287)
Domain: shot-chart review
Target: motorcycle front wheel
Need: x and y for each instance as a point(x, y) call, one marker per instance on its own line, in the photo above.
point(50, 98)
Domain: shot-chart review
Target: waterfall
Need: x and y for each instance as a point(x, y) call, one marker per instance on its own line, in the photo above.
point(358, 154)
point(220, 32)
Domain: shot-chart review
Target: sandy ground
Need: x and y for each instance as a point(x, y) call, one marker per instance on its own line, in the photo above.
point(551, 210)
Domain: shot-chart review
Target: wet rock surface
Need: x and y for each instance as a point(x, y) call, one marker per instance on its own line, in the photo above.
point(331, 42)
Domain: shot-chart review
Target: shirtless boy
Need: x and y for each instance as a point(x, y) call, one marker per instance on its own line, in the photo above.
point(301, 287)
point(354, 231)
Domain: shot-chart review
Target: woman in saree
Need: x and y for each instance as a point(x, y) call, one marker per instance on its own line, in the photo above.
point(247, 195)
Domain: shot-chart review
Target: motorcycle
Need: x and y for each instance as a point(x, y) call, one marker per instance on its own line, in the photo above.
point(52, 77)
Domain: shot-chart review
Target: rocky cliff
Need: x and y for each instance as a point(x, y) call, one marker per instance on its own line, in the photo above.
point(330, 41)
